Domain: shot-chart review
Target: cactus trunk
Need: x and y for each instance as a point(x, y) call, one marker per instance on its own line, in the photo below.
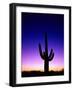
point(46, 66)
point(46, 50)
point(46, 45)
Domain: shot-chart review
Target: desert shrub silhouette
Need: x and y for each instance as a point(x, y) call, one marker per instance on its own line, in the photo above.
point(44, 55)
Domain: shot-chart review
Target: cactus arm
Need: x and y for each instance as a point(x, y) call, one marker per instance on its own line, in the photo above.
point(50, 53)
point(52, 56)
point(40, 50)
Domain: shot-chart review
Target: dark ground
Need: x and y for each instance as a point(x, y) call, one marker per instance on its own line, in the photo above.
point(39, 73)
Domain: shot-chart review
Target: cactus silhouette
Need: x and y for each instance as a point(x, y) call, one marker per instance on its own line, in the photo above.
point(44, 55)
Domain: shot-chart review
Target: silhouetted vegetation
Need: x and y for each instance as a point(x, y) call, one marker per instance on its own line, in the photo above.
point(39, 73)
point(44, 55)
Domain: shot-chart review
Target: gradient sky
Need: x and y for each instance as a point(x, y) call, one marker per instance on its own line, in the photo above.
point(33, 27)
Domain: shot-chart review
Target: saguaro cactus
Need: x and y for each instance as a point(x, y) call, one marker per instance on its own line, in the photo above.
point(44, 55)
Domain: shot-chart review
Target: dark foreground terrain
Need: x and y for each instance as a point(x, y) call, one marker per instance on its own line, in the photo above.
point(39, 73)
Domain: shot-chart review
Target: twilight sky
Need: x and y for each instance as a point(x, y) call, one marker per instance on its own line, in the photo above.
point(33, 27)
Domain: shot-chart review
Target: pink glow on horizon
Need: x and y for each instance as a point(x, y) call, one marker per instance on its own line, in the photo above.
point(41, 68)
point(37, 63)
point(31, 60)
